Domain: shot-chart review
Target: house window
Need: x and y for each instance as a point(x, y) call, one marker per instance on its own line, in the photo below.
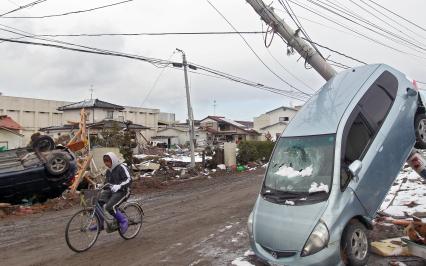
point(283, 119)
point(110, 115)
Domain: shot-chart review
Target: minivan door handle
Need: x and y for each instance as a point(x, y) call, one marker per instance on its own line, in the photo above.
point(380, 148)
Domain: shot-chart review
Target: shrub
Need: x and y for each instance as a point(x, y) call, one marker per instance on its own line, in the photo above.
point(249, 151)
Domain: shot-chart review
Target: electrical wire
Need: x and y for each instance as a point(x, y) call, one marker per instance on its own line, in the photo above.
point(337, 52)
point(371, 26)
point(293, 16)
point(149, 34)
point(356, 32)
point(156, 80)
point(286, 93)
point(401, 17)
point(254, 52)
point(24, 6)
point(72, 12)
point(281, 65)
point(391, 19)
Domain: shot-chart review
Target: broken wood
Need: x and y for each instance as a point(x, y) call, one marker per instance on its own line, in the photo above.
point(81, 172)
point(390, 247)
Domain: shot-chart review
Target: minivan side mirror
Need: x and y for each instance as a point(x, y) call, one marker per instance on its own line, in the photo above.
point(355, 167)
point(411, 92)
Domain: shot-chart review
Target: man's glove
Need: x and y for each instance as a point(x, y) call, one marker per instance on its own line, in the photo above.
point(115, 188)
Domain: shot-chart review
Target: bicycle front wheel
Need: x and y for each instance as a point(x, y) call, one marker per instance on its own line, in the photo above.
point(82, 230)
point(134, 215)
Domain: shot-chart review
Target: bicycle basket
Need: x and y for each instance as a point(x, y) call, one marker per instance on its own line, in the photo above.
point(91, 196)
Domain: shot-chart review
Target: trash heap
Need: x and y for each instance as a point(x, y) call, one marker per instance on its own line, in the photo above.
point(400, 226)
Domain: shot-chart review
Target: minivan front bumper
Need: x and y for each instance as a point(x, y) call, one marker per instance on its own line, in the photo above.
point(328, 256)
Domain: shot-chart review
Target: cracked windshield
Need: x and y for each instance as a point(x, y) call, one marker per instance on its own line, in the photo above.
point(302, 164)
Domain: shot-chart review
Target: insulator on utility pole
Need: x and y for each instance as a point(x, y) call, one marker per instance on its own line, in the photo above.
point(190, 113)
point(311, 56)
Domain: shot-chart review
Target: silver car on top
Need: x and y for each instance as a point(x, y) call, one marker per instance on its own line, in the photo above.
point(332, 167)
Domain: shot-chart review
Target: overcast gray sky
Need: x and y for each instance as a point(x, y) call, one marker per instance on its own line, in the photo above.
point(48, 73)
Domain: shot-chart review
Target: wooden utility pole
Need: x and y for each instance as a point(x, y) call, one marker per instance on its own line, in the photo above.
point(302, 47)
point(190, 113)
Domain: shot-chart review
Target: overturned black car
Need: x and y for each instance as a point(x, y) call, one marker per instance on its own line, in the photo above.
point(42, 172)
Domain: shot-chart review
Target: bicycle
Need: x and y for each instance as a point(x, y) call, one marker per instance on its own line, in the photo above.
point(83, 228)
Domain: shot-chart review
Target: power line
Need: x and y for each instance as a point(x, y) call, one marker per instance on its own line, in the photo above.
point(74, 12)
point(149, 34)
point(287, 93)
point(356, 32)
point(257, 56)
point(376, 29)
point(156, 80)
point(337, 52)
point(412, 23)
point(24, 6)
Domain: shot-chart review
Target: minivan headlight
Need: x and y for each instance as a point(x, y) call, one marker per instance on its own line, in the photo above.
point(317, 240)
point(250, 224)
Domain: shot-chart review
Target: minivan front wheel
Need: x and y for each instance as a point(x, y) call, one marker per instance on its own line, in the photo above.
point(355, 244)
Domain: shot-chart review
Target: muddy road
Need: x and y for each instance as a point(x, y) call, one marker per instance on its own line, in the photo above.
point(199, 222)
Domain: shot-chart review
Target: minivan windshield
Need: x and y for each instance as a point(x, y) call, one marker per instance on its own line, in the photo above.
point(301, 166)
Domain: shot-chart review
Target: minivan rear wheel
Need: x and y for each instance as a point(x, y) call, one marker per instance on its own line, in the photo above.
point(355, 244)
point(420, 128)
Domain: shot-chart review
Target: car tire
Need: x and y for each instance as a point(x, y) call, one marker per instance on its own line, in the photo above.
point(355, 244)
point(43, 143)
point(420, 128)
point(57, 163)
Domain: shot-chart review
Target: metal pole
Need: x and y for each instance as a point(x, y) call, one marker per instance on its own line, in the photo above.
point(190, 113)
point(303, 48)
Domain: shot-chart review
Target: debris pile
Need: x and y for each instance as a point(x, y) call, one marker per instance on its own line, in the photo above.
point(400, 227)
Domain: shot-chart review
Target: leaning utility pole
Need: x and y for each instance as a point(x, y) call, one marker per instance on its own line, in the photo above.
point(303, 48)
point(188, 103)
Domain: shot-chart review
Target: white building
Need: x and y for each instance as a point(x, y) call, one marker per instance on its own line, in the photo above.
point(10, 137)
point(274, 122)
point(33, 114)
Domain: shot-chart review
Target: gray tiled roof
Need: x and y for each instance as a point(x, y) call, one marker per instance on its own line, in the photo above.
point(94, 103)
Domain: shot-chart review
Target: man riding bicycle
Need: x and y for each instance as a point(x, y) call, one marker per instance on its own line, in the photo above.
point(118, 176)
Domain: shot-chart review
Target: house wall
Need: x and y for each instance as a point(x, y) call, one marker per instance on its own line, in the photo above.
point(271, 118)
point(31, 114)
point(10, 140)
point(273, 130)
point(209, 123)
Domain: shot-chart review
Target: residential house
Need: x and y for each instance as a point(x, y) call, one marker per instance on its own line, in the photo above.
point(10, 136)
point(274, 122)
point(179, 135)
point(221, 129)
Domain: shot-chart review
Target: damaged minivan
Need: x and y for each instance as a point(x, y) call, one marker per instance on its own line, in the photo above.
point(333, 166)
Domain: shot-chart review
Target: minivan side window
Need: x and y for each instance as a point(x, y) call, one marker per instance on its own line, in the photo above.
point(358, 139)
point(369, 114)
point(378, 99)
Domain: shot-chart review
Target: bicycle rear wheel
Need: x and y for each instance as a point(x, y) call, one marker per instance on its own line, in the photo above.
point(134, 215)
point(82, 230)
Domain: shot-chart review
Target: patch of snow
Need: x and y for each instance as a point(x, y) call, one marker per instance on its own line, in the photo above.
point(195, 263)
point(291, 173)
point(234, 240)
point(228, 226)
point(289, 202)
point(249, 253)
point(221, 166)
point(241, 262)
point(315, 187)
point(265, 165)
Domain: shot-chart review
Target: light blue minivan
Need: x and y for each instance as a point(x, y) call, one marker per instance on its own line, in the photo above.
point(332, 167)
